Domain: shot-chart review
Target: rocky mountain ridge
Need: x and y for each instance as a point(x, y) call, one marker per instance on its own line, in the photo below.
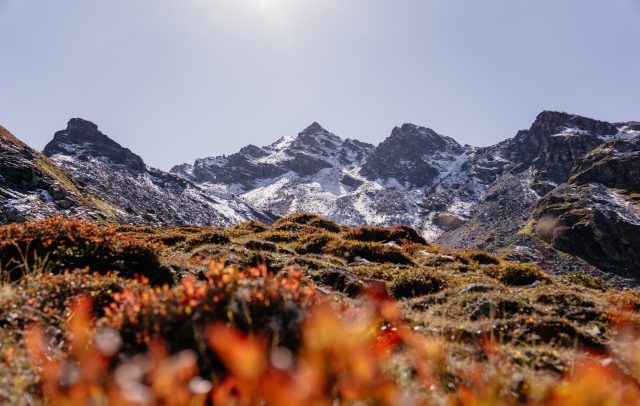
point(461, 196)
point(139, 193)
point(532, 197)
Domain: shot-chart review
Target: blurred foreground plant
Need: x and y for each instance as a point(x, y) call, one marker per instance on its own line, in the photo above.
point(345, 355)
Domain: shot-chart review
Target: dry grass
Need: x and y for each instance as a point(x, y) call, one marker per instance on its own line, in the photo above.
point(469, 327)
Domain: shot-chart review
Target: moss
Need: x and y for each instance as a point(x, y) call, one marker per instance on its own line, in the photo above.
point(529, 228)
point(314, 243)
point(300, 218)
point(136, 229)
point(248, 227)
point(588, 281)
point(324, 224)
point(257, 245)
point(631, 197)
point(279, 236)
point(403, 281)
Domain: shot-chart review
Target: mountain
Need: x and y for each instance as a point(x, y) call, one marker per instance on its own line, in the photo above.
point(139, 193)
point(32, 186)
point(408, 179)
point(457, 195)
point(563, 193)
point(546, 162)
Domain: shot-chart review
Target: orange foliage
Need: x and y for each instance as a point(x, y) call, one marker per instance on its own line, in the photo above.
point(62, 244)
point(344, 358)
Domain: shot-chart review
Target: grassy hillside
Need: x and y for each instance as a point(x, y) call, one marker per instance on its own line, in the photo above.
point(304, 311)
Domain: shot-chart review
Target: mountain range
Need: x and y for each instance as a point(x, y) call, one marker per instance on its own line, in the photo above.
point(564, 193)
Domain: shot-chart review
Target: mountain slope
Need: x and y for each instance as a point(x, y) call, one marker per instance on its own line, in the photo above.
point(31, 186)
point(139, 193)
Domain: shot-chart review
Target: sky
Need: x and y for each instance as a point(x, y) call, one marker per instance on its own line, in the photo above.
point(174, 80)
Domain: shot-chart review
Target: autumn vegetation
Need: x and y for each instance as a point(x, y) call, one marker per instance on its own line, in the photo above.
point(302, 312)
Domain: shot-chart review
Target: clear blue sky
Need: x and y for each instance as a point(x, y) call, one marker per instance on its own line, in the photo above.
point(178, 79)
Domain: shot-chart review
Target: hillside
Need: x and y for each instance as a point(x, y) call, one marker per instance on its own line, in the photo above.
point(338, 313)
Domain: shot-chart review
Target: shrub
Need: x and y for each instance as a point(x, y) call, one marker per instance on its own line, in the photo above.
point(47, 296)
point(375, 252)
point(482, 257)
point(325, 224)
point(516, 274)
point(299, 218)
point(58, 244)
point(252, 301)
point(417, 284)
point(340, 361)
point(279, 236)
point(314, 243)
point(385, 234)
point(206, 238)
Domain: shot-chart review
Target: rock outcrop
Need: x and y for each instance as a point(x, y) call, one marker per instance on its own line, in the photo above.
point(596, 216)
point(31, 186)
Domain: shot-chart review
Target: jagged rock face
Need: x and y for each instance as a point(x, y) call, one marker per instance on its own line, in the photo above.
point(616, 164)
point(594, 223)
point(408, 156)
point(83, 139)
point(138, 193)
point(596, 216)
point(17, 164)
point(558, 148)
point(31, 187)
point(553, 144)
